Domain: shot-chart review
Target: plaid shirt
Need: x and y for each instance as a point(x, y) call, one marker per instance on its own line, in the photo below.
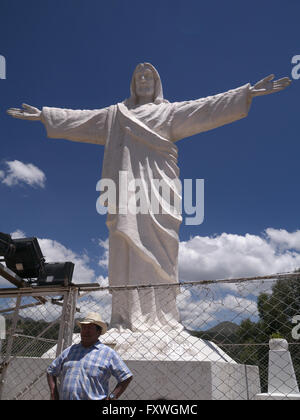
point(85, 372)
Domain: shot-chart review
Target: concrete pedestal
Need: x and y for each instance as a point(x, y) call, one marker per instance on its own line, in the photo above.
point(282, 382)
point(170, 380)
point(282, 378)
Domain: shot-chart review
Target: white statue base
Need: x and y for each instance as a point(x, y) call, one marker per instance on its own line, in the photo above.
point(172, 345)
point(173, 365)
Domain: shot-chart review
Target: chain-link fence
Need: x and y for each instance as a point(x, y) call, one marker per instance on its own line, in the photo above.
point(203, 340)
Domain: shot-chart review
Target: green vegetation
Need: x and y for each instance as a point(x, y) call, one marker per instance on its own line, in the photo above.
point(276, 335)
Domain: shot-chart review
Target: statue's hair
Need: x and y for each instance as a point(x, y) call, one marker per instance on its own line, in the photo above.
point(158, 90)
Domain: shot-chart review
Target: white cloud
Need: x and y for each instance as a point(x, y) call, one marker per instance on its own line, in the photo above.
point(56, 252)
point(96, 301)
point(230, 255)
point(240, 305)
point(284, 239)
point(203, 307)
point(17, 234)
point(102, 281)
point(22, 173)
point(103, 262)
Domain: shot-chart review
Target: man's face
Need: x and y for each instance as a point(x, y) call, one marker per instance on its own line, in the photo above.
point(144, 83)
point(89, 334)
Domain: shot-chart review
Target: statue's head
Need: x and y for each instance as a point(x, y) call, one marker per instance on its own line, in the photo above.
point(145, 82)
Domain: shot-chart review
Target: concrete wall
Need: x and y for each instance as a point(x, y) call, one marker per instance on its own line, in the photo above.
point(152, 380)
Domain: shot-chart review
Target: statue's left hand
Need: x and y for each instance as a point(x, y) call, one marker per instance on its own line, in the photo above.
point(268, 85)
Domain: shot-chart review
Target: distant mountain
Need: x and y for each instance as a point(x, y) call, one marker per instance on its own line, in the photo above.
point(225, 328)
point(225, 332)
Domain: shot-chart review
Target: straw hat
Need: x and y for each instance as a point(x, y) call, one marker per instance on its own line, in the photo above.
point(94, 318)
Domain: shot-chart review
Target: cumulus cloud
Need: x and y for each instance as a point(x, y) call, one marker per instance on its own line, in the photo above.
point(17, 234)
point(56, 252)
point(96, 301)
point(103, 262)
point(202, 307)
point(284, 239)
point(202, 315)
point(19, 173)
point(103, 281)
point(230, 255)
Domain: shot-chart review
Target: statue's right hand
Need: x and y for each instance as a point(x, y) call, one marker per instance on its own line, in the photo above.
point(27, 113)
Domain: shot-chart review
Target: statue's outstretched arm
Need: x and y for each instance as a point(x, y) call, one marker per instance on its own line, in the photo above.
point(268, 85)
point(27, 113)
point(87, 126)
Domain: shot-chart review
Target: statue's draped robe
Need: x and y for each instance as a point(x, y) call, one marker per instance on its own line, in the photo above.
point(140, 141)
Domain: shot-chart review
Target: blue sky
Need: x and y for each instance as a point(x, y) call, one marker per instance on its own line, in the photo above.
point(81, 54)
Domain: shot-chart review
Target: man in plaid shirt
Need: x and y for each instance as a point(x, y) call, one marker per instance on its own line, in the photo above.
point(85, 369)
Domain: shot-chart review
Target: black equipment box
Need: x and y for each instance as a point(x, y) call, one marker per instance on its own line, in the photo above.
point(7, 247)
point(27, 261)
point(56, 274)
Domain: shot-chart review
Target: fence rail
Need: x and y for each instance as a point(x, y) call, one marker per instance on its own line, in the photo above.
point(218, 349)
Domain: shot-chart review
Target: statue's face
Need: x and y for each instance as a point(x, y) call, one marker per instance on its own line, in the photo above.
point(144, 82)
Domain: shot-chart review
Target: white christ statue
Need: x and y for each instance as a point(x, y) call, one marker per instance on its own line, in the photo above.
point(139, 136)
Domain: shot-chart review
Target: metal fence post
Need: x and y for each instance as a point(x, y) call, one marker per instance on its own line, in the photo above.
point(4, 367)
point(70, 317)
point(67, 320)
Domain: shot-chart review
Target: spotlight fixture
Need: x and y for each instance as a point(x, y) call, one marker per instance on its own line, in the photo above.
point(56, 273)
point(24, 257)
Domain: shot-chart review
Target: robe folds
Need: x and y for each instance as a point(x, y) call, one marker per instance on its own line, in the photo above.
point(140, 141)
